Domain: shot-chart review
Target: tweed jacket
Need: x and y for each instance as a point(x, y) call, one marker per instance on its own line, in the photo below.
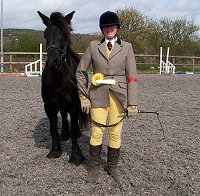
point(120, 65)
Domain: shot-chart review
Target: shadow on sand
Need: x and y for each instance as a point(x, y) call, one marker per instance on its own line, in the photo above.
point(42, 138)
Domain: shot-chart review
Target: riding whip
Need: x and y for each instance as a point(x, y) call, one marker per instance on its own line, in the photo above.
point(150, 112)
point(125, 115)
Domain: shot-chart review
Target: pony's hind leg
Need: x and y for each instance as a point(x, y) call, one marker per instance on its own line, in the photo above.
point(76, 154)
point(56, 150)
point(65, 126)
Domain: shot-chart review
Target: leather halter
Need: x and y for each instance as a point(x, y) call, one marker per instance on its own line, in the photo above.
point(62, 51)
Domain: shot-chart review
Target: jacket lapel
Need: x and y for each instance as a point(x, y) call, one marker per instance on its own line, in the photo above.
point(102, 49)
point(117, 48)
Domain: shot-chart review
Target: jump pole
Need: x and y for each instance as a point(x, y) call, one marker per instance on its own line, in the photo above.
point(41, 59)
point(160, 60)
point(167, 59)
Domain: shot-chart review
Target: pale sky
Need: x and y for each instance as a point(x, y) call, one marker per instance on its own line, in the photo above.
point(22, 14)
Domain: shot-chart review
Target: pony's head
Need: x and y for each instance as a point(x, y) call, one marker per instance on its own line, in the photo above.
point(57, 35)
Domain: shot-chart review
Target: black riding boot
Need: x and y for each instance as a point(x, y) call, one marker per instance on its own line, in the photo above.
point(95, 160)
point(113, 158)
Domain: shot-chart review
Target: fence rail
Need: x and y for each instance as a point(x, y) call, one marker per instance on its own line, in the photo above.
point(17, 60)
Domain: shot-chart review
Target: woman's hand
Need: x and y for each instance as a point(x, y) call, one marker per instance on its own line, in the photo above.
point(132, 110)
point(85, 104)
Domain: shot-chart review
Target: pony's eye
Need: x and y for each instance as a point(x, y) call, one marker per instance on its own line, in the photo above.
point(63, 35)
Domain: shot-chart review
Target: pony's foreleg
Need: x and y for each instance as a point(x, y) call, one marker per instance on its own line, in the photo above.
point(56, 150)
point(76, 154)
point(65, 126)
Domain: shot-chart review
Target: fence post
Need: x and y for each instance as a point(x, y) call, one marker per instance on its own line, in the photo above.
point(174, 60)
point(41, 59)
point(193, 64)
point(11, 68)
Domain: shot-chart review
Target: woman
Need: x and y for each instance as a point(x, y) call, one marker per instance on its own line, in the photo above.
point(112, 61)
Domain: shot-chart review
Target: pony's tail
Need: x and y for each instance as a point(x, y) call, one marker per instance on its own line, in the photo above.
point(83, 120)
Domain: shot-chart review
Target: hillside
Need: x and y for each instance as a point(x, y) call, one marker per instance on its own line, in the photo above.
point(27, 40)
point(20, 31)
point(16, 34)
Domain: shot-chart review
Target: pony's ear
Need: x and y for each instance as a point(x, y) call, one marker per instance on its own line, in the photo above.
point(44, 18)
point(68, 17)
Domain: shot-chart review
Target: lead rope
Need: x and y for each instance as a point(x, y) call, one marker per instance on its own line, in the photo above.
point(125, 115)
point(126, 112)
point(93, 121)
point(85, 93)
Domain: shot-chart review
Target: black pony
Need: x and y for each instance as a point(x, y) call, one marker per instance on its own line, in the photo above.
point(59, 91)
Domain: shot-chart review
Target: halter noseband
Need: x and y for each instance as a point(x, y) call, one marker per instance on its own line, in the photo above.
point(62, 51)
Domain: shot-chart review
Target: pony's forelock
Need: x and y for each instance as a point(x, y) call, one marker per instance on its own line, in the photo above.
point(59, 20)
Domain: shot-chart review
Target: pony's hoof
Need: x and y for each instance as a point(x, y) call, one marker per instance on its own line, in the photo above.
point(63, 138)
point(54, 154)
point(76, 160)
point(78, 134)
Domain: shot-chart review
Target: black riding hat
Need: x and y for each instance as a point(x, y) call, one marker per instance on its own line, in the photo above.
point(109, 18)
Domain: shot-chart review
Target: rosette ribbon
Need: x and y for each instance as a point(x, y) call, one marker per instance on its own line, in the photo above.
point(95, 77)
point(98, 79)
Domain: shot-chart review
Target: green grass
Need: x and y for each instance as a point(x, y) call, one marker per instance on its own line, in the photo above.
point(35, 73)
point(186, 69)
point(183, 69)
point(13, 71)
point(178, 68)
point(139, 68)
point(146, 68)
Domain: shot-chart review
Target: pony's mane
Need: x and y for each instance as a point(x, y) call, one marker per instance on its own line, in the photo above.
point(60, 21)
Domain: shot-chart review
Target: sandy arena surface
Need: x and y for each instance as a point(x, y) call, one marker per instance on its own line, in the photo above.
point(150, 164)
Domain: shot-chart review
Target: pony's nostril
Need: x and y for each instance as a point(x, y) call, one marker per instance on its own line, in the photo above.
point(56, 67)
point(53, 64)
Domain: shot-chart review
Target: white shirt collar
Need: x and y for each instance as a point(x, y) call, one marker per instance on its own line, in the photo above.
point(112, 41)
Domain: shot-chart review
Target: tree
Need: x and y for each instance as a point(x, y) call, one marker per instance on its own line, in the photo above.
point(180, 35)
point(148, 35)
point(134, 28)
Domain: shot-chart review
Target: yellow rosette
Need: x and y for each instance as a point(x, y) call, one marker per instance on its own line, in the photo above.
point(95, 77)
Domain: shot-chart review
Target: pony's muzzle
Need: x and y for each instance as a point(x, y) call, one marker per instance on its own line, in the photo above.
point(53, 64)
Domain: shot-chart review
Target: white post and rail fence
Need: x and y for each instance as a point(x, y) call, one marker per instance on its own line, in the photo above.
point(35, 68)
point(163, 64)
point(166, 67)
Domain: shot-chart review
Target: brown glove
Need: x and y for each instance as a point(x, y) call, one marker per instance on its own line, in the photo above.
point(85, 104)
point(132, 110)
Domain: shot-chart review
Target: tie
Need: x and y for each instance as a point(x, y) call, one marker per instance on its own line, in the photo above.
point(109, 45)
